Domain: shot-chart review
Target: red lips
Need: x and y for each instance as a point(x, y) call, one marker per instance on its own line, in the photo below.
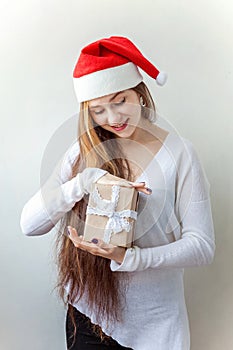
point(121, 127)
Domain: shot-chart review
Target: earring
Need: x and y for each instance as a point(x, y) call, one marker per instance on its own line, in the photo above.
point(142, 103)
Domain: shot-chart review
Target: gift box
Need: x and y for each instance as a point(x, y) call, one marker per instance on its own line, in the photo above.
point(111, 211)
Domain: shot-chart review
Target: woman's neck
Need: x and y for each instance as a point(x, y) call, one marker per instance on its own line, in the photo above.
point(146, 132)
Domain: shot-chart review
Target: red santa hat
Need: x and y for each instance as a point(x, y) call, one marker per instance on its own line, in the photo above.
point(110, 65)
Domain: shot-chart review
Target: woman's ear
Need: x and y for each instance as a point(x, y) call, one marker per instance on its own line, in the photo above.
point(142, 102)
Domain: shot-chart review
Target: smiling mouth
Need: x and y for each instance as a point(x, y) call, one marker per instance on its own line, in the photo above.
point(121, 126)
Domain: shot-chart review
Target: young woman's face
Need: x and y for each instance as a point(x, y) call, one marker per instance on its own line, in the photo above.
point(119, 113)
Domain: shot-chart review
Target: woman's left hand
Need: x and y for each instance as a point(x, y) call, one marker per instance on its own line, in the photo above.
point(98, 247)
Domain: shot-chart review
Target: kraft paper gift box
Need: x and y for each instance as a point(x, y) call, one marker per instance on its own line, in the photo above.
point(111, 211)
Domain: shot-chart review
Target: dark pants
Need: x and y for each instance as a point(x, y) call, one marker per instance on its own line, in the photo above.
point(85, 338)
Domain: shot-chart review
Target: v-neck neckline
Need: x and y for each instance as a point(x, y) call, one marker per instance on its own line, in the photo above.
point(157, 154)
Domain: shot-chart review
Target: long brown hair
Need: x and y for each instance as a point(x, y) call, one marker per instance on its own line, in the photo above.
point(83, 272)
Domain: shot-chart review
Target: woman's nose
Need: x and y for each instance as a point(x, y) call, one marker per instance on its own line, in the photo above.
point(113, 117)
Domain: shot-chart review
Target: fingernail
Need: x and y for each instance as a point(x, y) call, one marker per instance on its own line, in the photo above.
point(94, 240)
point(149, 189)
point(142, 182)
point(68, 231)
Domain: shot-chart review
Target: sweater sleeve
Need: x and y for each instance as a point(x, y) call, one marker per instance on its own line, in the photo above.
point(196, 245)
point(59, 194)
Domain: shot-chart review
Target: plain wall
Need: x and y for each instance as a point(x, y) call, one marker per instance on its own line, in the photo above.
point(40, 42)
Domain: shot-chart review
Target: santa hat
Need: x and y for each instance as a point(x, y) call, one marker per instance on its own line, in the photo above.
point(110, 65)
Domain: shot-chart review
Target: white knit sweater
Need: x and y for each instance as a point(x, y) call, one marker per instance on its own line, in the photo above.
point(174, 230)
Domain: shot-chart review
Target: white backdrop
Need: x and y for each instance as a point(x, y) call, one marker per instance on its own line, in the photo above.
point(40, 41)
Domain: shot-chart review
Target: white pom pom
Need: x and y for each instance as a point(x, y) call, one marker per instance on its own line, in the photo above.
point(161, 78)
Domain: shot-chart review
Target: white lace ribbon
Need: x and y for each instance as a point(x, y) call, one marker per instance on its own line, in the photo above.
point(117, 220)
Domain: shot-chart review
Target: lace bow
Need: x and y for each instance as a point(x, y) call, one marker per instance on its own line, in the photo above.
point(117, 220)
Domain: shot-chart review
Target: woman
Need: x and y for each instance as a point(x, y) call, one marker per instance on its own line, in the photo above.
point(125, 298)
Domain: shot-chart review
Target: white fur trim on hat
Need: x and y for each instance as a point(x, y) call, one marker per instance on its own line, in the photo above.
point(107, 81)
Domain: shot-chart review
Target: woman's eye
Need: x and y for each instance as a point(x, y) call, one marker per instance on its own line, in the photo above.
point(120, 102)
point(99, 112)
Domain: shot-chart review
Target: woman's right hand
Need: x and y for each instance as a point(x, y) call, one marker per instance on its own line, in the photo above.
point(141, 187)
point(112, 180)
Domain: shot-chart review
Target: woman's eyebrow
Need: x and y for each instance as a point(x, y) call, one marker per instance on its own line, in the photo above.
point(112, 98)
